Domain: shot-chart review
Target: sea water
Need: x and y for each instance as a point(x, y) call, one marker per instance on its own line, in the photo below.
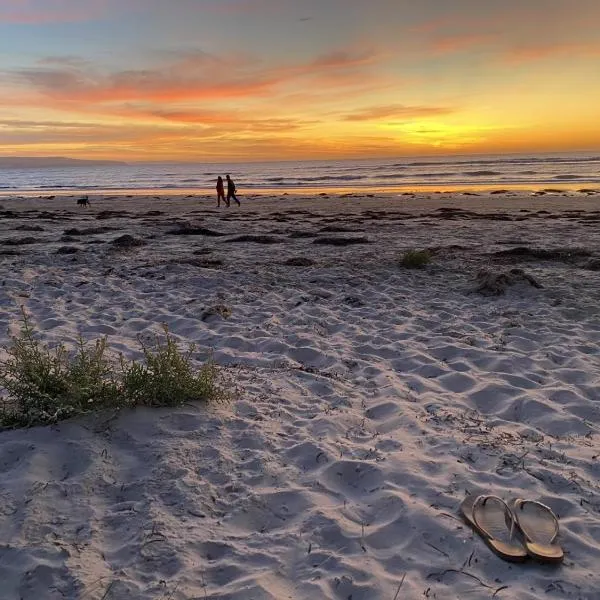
point(527, 171)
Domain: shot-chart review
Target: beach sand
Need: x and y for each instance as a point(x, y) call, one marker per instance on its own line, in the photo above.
point(368, 398)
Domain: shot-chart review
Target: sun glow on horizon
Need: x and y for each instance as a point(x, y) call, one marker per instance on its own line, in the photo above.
point(96, 80)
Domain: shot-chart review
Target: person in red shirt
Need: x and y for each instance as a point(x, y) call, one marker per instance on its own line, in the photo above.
point(221, 192)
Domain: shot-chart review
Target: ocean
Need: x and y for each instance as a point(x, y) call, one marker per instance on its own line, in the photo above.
point(570, 171)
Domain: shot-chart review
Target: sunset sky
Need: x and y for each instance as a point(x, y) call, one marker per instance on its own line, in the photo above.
point(279, 79)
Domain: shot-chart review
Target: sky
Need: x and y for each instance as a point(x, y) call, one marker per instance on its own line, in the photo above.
point(216, 80)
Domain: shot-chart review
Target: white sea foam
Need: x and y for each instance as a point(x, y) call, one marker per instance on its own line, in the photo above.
point(572, 171)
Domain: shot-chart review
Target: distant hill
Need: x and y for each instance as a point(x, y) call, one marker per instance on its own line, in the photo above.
point(42, 162)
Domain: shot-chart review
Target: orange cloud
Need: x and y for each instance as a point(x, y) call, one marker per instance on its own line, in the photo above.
point(344, 59)
point(69, 87)
point(459, 42)
point(397, 111)
point(241, 118)
point(532, 52)
point(512, 52)
point(192, 77)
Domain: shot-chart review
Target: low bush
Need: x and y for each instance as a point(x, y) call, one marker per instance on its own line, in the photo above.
point(415, 259)
point(43, 385)
point(167, 376)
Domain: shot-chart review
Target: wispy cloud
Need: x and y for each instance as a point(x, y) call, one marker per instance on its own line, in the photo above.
point(343, 59)
point(512, 51)
point(283, 77)
point(397, 112)
point(445, 44)
point(21, 124)
point(533, 52)
point(194, 76)
point(191, 96)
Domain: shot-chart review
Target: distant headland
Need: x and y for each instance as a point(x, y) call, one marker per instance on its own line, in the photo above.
point(41, 162)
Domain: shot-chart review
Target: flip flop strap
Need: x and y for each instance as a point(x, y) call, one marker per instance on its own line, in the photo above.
point(480, 501)
point(519, 505)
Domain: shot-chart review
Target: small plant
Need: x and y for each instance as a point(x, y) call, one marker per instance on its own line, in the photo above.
point(44, 385)
point(415, 259)
point(167, 376)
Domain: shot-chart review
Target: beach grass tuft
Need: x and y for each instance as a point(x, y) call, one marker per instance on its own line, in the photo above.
point(167, 376)
point(43, 385)
point(415, 259)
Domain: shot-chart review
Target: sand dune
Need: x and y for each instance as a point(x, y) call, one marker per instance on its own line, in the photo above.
point(370, 398)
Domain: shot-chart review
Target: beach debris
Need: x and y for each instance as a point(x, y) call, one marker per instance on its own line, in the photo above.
point(20, 241)
point(29, 228)
point(339, 229)
point(89, 231)
point(67, 250)
point(341, 241)
point(112, 214)
point(450, 213)
point(527, 253)
point(450, 249)
point(49, 216)
point(218, 310)
point(127, 241)
point(302, 234)
point(353, 301)
point(204, 263)
point(255, 239)
point(299, 261)
point(593, 264)
point(496, 284)
point(188, 229)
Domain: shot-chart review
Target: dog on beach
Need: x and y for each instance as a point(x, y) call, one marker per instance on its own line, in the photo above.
point(83, 201)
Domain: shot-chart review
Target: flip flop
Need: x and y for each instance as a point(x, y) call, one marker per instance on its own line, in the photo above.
point(539, 528)
point(493, 520)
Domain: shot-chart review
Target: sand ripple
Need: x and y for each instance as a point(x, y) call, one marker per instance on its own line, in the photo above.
point(371, 399)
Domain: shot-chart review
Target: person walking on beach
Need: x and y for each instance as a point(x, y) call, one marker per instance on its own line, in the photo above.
point(221, 192)
point(231, 191)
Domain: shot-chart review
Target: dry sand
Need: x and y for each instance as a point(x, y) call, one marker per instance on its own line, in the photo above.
point(370, 399)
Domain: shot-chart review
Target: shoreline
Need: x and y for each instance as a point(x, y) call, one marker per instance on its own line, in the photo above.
point(589, 187)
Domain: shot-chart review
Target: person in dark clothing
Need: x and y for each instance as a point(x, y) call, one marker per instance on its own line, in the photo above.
point(231, 191)
point(221, 192)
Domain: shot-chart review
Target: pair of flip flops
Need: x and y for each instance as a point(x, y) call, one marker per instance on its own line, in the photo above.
point(514, 531)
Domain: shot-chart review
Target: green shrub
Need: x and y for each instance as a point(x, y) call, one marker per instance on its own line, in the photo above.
point(415, 259)
point(43, 385)
point(167, 376)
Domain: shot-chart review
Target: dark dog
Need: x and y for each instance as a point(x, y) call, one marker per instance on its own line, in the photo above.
point(83, 201)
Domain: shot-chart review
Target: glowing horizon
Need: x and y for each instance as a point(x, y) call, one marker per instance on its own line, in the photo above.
point(251, 80)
